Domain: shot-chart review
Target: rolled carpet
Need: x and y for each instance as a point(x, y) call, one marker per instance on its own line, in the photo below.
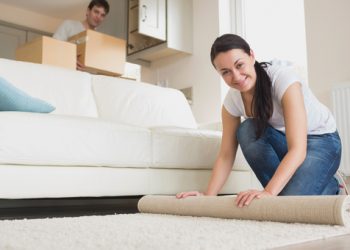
point(333, 210)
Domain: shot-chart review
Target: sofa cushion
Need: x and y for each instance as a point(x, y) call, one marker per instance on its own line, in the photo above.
point(189, 149)
point(141, 104)
point(184, 148)
point(240, 162)
point(13, 99)
point(46, 139)
point(68, 90)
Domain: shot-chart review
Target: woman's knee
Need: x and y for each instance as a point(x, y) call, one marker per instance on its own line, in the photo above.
point(246, 132)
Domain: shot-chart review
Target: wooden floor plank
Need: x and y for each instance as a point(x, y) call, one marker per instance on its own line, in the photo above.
point(333, 243)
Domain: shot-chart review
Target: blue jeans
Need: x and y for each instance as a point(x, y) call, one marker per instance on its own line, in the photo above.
point(316, 174)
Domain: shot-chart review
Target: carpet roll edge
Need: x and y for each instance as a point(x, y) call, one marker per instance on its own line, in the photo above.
point(152, 204)
point(345, 210)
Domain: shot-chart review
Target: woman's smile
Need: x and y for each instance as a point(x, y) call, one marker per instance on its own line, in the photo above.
point(237, 69)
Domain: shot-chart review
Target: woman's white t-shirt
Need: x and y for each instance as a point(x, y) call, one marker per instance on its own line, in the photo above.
point(319, 117)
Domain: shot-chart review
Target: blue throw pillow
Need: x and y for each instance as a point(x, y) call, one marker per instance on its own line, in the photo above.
point(14, 99)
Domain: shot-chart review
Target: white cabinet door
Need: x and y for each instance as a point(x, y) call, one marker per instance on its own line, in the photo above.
point(10, 39)
point(152, 18)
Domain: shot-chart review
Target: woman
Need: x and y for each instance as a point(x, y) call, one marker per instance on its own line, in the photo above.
point(288, 138)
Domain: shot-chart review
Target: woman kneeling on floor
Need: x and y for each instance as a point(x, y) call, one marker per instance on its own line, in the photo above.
point(288, 137)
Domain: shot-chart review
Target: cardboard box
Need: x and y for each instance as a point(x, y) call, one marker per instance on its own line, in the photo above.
point(47, 50)
point(100, 53)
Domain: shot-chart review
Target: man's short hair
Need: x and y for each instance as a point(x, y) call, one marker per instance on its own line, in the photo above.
point(99, 3)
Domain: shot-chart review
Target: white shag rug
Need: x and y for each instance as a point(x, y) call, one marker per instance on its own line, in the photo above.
point(151, 231)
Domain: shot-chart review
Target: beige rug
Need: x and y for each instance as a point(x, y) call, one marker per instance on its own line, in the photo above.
point(152, 231)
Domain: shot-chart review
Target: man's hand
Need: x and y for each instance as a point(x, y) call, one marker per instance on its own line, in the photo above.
point(244, 198)
point(186, 194)
point(80, 66)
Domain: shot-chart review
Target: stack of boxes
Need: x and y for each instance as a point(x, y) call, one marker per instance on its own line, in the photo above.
point(98, 52)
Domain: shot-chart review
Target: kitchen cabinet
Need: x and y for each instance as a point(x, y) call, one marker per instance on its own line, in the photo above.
point(158, 28)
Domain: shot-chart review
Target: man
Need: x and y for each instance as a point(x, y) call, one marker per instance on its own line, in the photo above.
point(95, 14)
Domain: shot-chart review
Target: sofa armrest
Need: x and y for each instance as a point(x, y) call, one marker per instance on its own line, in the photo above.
point(211, 126)
point(240, 163)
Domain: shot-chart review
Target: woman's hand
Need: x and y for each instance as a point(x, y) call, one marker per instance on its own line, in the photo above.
point(190, 193)
point(244, 198)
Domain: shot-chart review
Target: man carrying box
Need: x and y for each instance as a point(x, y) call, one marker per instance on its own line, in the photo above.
point(95, 14)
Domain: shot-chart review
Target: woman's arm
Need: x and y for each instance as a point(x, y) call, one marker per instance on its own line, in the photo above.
point(224, 162)
point(296, 134)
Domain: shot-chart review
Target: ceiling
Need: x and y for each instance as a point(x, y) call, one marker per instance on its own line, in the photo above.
point(55, 8)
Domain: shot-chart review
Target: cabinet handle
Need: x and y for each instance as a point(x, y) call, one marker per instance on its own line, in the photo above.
point(144, 13)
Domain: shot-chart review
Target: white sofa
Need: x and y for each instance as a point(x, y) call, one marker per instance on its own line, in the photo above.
point(107, 137)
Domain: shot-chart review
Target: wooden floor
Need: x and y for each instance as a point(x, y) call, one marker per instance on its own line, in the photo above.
point(334, 243)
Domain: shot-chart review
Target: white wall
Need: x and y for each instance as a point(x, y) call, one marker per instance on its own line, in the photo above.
point(327, 38)
point(227, 24)
point(328, 45)
point(28, 19)
point(276, 29)
point(195, 70)
point(114, 24)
